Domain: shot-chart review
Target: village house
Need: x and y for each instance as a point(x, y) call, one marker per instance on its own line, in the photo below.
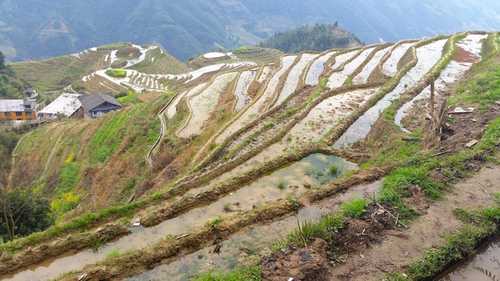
point(97, 105)
point(66, 105)
point(80, 106)
point(17, 109)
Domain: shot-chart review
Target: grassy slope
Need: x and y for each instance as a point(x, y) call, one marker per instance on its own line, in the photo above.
point(95, 162)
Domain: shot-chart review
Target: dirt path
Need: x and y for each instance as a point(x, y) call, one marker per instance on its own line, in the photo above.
point(399, 249)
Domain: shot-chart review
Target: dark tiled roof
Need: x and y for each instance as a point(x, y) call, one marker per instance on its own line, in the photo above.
point(90, 102)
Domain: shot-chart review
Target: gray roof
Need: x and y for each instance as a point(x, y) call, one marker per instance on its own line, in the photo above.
point(12, 105)
point(90, 102)
point(66, 104)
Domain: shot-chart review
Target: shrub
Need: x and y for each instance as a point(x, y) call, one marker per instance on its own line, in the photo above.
point(117, 72)
point(21, 213)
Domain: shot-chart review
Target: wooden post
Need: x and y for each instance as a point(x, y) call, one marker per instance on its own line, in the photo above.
point(433, 102)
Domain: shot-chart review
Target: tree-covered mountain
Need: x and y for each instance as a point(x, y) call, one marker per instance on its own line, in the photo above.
point(319, 37)
point(38, 28)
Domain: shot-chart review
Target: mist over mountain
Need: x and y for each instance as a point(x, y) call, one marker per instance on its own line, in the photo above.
point(36, 28)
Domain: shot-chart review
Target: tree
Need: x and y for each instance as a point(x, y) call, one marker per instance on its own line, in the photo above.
point(2, 61)
point(22, 213)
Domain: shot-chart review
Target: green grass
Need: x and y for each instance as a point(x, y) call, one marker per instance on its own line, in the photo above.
point(326, 227)
point(130, 97)
point(113, 254)
point(282, 185)
point(483, 91)
point(333, 170)
point(117, 72)
point(354, 208)
point(241, 274)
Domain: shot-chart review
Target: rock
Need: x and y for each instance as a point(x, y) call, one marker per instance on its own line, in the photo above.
point(136, 222)
point(472, 143)
point(461, 110)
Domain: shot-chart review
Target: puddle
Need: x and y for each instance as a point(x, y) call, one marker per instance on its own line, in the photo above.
point(483, 267)
point(253, 240)
point(428, 56)
point(313, 170)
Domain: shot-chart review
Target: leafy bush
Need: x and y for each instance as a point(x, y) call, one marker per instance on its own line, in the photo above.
point(21, 213)
point(129, 97)
point(117, 72)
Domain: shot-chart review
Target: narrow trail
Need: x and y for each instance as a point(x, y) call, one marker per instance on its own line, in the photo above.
point(399, 248)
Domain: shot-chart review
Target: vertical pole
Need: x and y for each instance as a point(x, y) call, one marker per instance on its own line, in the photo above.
point(433, 102)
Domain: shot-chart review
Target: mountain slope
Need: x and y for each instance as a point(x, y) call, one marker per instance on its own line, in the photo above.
point(36, 28)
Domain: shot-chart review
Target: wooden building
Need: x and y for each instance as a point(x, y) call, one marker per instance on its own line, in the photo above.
point(17, 109)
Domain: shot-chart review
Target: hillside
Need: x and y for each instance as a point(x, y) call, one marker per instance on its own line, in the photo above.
point(32, 29)
point(252, 159)
point(312, 38)
point(51, 76)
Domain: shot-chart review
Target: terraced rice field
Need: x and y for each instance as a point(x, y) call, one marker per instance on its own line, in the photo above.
point(338, 78)
point(427, 56)
point(293, 79)
point(262, 102)
point(390, 67)
point(454, 71)
point(204, 103)
point(241, 92)
point(364, 75)
point(317, 68)
point(276, 159)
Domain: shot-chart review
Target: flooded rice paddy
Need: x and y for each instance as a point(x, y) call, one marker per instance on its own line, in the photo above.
point(251, 241)
point(483, 267)
point(293, 180)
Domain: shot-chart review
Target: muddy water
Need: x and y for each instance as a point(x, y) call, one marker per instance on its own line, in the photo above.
point(291, 180)
point(483, 267)
point(251, 241)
